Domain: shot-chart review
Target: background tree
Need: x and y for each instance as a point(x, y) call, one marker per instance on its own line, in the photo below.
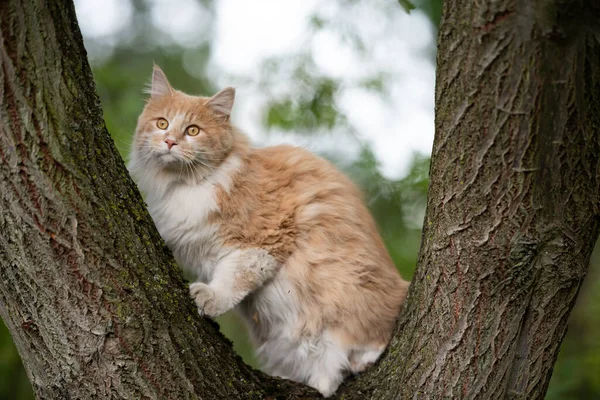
point(385, 195)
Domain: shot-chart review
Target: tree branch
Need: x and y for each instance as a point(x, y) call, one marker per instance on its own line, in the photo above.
point(98, 309)
point(90, 293)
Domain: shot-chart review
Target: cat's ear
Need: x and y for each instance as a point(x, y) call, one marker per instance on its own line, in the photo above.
point(222, 102)
point(160, 85)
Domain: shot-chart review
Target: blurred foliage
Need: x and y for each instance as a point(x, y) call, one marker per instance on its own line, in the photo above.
point(433, 9)
point(308, 112)
point(14, 384)
point(306, 106)
point(407, 5)
point(577, 371)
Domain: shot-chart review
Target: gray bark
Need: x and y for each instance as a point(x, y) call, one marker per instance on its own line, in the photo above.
point(513, 205)
point(98, 309)
point(93, 299)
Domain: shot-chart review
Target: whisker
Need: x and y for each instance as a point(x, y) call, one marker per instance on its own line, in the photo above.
point(141, 160)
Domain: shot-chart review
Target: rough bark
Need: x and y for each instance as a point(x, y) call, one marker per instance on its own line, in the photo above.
point(98, 309)
point(513, 206)
point(94, 302)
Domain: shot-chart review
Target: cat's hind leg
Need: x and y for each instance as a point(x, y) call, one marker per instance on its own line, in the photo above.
point(362, 358)
point(327, 363)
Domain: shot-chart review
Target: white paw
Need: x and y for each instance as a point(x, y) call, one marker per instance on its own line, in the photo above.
point(206, 299)
point(325, 386)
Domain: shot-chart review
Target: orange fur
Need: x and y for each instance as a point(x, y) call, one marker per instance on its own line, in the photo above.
point(313, 220)
point(277, 231)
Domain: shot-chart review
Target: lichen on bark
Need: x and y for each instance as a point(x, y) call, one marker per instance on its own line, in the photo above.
point(98, 309)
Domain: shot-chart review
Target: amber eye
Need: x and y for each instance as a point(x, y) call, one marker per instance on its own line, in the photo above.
point(162, 123)
point(192, 130)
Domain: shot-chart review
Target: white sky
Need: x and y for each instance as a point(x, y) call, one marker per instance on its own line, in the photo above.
point(247, 32)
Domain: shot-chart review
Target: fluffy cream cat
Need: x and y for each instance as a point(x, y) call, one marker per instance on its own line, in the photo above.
point(277, 233)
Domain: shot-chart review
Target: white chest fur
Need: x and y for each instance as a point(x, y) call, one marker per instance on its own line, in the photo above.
point(181, 214)
point(181, 217)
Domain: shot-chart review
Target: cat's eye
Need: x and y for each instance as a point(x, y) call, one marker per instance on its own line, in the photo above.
point(162, 123)
point(192, 130)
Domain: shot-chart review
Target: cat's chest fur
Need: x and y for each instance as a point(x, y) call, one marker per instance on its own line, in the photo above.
point(181, 216)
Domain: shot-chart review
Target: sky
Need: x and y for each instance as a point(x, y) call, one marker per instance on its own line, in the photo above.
point(247, 33)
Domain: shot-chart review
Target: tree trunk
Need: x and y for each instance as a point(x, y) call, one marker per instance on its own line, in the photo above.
point(98, 309)
point(91, 295)
point(513, 206)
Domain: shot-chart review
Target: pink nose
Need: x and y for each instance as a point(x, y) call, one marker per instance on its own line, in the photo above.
point(170, 143)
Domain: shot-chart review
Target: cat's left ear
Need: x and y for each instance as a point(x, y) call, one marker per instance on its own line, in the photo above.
point(222, 102)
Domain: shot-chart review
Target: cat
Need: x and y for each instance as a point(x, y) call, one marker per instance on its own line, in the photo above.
point(276, 233)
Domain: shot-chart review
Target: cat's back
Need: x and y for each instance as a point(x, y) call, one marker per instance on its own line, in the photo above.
point(295, 171)
point(285, 196)
point(312, 218)
point(328, 210)
point(277, 193)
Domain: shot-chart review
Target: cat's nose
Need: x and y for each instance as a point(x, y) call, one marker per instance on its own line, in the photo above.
point(170, 143)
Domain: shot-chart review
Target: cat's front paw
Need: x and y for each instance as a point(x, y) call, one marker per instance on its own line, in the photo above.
point(206, 299)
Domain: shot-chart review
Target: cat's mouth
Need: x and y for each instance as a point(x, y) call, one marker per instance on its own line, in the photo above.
point(168, 157)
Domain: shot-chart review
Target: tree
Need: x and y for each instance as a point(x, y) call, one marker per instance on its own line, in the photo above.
point(98, 308)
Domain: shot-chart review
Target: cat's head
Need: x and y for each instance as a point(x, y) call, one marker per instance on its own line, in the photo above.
point(182, 134)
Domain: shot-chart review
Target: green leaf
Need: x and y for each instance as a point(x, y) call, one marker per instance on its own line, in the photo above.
point(407, 5)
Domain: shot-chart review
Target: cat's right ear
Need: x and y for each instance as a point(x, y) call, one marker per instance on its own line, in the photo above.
point(160, 85)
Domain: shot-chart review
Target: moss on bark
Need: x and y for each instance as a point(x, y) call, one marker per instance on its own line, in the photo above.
point(98, 309)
